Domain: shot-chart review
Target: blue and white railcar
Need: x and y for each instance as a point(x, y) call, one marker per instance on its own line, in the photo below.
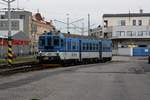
point(72, 49)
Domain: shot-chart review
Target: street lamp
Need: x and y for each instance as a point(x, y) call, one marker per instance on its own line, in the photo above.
point(10, 52)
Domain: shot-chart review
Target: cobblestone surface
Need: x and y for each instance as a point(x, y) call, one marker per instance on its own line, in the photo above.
point(108, 81)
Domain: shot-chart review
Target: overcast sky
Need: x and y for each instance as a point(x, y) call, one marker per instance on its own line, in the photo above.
point(57, 9)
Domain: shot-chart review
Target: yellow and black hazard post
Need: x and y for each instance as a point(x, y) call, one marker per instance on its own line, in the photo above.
point(10, 52)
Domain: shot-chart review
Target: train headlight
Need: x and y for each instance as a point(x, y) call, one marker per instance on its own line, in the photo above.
point(57, 53)
point(40, 53)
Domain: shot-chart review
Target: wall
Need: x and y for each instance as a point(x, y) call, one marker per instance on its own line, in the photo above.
point(124, 51)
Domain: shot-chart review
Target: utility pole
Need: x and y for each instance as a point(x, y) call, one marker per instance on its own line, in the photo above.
point(82, 29)
point(17, 4)
point(68, 23)
point(89, 24)
point(10, 52)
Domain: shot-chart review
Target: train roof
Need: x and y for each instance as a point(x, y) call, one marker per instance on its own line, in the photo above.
point(77, 36)
point(66, 35)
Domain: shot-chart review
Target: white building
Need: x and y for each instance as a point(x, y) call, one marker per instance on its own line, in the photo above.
point(96, 32)
point(127, 30)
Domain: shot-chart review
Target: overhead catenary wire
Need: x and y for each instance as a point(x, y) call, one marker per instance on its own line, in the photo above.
point(3, 3)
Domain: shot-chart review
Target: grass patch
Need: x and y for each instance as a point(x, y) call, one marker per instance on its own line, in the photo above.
point(2, 61)
point(19, 59)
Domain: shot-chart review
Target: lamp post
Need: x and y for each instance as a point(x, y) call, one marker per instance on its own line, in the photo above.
point(10, 52)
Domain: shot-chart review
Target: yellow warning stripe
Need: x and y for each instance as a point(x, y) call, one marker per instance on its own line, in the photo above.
point(10, 55)
point(9, 49)
point(9, 61)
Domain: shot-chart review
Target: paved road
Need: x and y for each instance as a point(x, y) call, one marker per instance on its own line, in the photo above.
point(114, 80)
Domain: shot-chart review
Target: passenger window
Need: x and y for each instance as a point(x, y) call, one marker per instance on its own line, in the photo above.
point(69, 45)
point(87, 46)
point(90, 46)
point(84, 46)
point(74, 45)
point(94, 46)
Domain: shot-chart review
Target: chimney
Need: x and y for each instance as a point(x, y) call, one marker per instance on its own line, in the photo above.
point(141, 11)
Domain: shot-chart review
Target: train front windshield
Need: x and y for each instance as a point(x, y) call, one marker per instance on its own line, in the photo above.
point(49, 43)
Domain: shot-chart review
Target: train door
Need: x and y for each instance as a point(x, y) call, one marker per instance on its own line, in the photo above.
point(80, 51)
point(100, 50)
point(69, 45)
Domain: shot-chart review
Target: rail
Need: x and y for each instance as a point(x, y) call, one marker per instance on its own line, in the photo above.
point(19, 67)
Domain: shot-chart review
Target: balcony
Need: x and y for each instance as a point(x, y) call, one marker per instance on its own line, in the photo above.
point(125, 32)
point(130, 37)
point(108, 29)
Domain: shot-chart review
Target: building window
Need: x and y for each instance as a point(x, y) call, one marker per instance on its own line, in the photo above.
point(144, 33)
point(123, 23)
point(140, 33)
point(120, 33)
point(142, 45)
point(105, 23)
point(148, 33)
point(2, 17)
point(134, 33)
point(129, 33)
point(1, 24)
point(140, 22)
point(134, 22)
point(22, 16)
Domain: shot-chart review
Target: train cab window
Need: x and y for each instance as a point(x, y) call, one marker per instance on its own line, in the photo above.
point(62, 43)
point(41, 42)
point(56, 40)
point(49, 41)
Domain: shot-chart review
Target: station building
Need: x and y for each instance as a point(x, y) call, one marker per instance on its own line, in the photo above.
point(127, 30)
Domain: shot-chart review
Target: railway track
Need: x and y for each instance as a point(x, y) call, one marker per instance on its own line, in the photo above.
point(26, 67)
point(19, 67)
